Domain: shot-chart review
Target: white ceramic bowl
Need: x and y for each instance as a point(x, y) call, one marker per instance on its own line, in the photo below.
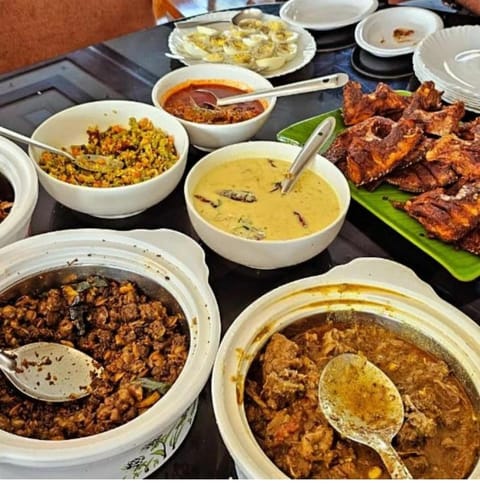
point(165, 258)
point(373, 285)
point(210, 136)
point(20, 172)
point(375, 33)
point(265, 254)
point(69, 127)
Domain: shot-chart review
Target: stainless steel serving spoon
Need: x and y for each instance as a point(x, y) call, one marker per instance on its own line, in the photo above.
point(320, 135)
point(92, 163)
point(316, 84)
point(249, 13)
point(49, 371)
point(364, 405)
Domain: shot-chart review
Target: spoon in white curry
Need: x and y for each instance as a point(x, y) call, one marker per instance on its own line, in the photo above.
point(363, 405)
point(317, 139)
point(49, 371)
point(92, 163)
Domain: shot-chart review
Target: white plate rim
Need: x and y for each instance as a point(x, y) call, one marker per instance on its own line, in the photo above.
point(327, 26)
point(306, 43)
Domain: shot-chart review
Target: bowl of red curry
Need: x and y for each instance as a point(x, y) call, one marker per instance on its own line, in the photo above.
point(180, 94)
point(266, 373)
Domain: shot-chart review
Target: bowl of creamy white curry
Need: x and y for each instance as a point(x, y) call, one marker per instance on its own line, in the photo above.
point(236, 206)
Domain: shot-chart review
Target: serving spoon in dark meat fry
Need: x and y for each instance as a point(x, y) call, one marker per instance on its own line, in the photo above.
point(50, 371)
point(363, 405)
point(92, 163)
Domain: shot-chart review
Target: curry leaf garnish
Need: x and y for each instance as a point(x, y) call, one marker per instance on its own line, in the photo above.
point(152, 385)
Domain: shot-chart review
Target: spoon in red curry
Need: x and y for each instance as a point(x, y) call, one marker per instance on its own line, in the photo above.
point(92, 163)
point(363, 405)
point(49, 371)
point(332, 81)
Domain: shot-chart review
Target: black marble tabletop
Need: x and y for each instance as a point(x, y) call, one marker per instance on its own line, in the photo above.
point(127, 68)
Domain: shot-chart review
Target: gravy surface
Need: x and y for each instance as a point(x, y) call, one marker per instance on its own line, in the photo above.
point(243, 197)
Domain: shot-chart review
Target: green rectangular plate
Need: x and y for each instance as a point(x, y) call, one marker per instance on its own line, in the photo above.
point(461, 264)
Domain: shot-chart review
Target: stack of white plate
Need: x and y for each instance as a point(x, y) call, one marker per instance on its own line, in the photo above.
point(396, 31)
point(451, 59)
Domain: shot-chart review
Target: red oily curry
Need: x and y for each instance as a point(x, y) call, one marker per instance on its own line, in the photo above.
point(189, 103)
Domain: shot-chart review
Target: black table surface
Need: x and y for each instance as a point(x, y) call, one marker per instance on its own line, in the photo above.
point(127, 68)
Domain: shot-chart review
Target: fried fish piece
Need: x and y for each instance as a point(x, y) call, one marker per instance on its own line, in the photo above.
point(426, 98)
point(462, 155)
point(471, 242)
point(447, 214)
point(422, 177)
point(441, 122)
point(358, 106)
point(470, 130)
point(371, 160)
point(376, 127)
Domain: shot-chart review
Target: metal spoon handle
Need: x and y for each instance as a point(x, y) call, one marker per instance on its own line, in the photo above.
point(7, 363)
point(393, 463)
point(316, 84)
point(318, 137)
point(30, 141)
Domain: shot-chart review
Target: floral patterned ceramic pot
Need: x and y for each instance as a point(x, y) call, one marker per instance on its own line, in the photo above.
point(163, 258)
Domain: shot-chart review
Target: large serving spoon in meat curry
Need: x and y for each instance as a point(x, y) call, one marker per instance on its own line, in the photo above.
point(49, 371)
point(92, 163)
point(364, 405)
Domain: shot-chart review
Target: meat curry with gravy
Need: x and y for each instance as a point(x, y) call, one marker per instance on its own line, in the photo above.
point(439, 436)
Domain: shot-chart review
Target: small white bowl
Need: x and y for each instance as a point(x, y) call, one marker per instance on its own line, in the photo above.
point(20, 172)
point(265, 254)
point(69, 127)
point(210, 136)
point(375, 33)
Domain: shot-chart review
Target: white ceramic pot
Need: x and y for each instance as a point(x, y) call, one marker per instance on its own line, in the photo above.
point(20, 172)
point(372, 285)
point(162, 257)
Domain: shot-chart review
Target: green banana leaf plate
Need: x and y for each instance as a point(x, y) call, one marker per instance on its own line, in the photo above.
point(463, 265)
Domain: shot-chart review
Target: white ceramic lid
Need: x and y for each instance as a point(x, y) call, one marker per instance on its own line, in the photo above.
point(326, 14)
point(396, 31)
